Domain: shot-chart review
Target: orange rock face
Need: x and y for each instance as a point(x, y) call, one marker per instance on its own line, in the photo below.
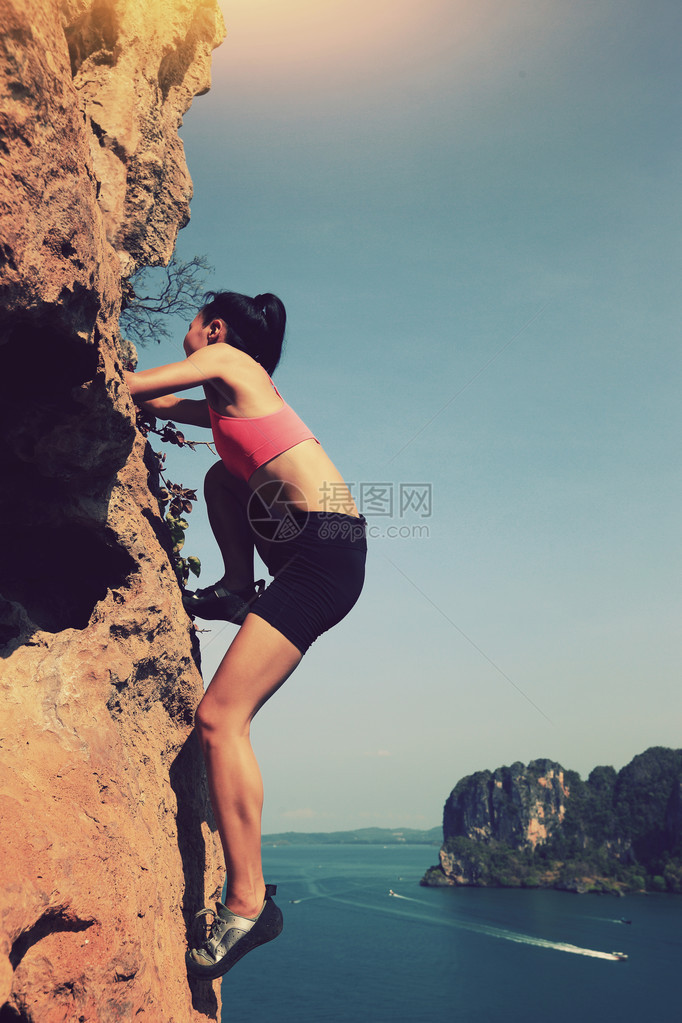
point(107, 841)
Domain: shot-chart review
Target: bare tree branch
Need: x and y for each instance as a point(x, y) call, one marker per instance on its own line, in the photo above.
point(179, 293)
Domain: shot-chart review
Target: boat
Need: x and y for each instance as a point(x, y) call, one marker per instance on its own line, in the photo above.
point(620, 955)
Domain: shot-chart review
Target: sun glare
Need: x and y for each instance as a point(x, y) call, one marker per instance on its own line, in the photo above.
point(310, 37)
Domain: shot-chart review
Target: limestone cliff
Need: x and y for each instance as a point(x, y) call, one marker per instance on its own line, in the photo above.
point(517, 805)
point(540, 825)
point(106, 833)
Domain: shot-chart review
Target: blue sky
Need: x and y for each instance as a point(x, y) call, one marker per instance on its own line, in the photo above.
point(471, 211)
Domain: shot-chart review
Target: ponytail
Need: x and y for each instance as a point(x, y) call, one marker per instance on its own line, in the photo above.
point(254, 325)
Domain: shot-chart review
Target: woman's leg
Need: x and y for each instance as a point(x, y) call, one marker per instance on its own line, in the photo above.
point(259, 660)
point(226, 503)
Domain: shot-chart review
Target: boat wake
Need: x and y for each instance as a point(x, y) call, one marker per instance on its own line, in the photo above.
point(355, 896)
point(495, 932)
point(557, 946)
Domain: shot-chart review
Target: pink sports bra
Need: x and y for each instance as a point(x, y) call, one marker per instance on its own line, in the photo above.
point(244, 444)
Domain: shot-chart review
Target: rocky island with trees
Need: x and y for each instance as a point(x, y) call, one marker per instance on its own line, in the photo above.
point(541, 826)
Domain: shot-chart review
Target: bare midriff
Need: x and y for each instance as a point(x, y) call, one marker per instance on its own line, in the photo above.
point(305, 477)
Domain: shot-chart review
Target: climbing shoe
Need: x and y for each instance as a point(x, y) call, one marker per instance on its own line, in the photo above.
point(218, 603)
point(232, 936)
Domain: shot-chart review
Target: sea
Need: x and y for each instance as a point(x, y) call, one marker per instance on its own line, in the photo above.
point(362, 941)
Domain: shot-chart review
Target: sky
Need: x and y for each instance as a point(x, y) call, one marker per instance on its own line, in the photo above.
point(471, 211)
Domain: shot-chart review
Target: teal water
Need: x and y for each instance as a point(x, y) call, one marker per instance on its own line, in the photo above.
point(351, 952)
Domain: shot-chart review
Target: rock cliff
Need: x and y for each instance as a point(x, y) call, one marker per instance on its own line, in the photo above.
point(541, 825)
point(517, 805)
point(107, 842)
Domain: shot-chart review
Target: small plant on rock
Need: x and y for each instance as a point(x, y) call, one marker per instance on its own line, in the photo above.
point(176, 500)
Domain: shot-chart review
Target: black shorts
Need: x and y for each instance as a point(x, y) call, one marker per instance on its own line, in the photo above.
point(318, 575)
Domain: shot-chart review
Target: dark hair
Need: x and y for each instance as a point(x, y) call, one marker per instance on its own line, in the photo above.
point(255, 325)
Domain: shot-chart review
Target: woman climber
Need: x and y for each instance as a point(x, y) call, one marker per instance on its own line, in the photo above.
point(270, 490)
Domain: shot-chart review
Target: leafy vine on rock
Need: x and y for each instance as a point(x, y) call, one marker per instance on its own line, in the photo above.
point(175, 499)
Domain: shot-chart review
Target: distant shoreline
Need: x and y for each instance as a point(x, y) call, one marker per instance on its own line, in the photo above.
point(360, 836)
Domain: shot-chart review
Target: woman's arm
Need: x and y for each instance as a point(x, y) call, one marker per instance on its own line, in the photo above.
point(202, 367)
point(189, 411)
point(153, 388)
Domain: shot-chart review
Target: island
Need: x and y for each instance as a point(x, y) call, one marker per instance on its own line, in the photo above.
point(541, 826)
